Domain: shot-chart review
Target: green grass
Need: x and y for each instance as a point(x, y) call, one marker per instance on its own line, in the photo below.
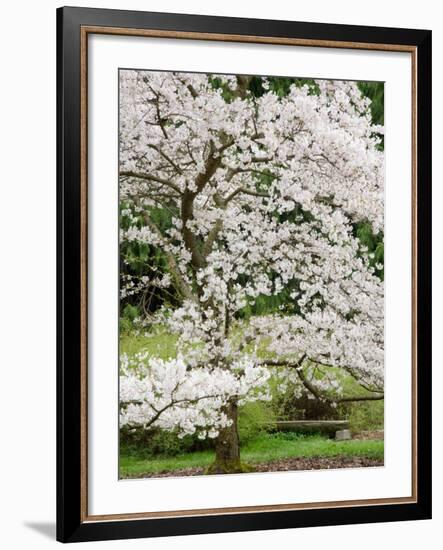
point(264, 448)
point(161, 344)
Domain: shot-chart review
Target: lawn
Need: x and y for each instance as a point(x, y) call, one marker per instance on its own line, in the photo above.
point(158, 344)
point(263, 448)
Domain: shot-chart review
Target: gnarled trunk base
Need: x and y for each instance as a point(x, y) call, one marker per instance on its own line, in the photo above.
point(227, 447)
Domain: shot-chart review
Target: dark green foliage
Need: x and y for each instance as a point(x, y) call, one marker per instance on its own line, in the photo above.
point(226, 92)
point(130, 312)
point(127, 316)
point(375, 91)
point(280, 85)
point(138, 259)
point(156, 442)
point(256, 86)
point(374, 244)
point(290, 436)
point(290, 407)
point(276, 303)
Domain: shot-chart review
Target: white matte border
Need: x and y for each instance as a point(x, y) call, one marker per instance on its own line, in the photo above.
point(108, 495)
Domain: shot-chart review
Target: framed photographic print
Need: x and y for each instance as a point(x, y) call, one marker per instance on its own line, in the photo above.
point(244, 274)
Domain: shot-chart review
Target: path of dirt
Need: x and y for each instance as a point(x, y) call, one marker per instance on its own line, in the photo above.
point(284, 465)
point(374, 435)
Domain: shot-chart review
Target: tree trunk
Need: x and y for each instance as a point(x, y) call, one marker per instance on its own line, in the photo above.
point(227, 446)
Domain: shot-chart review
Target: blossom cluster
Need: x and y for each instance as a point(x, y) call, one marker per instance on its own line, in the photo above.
point(165, 394)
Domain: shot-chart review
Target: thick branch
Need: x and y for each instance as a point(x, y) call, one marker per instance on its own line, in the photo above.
point(189, 238)
point(187, 208)
point(311, 387)
point(322, 397)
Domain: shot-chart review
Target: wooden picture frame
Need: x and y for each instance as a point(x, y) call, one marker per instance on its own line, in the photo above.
point(74, 522)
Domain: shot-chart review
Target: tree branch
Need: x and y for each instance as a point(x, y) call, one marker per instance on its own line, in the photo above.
point(183, 287)
point(172, 403)
point(245, 192)
point(322, 397)
point(166, 157)
point(187, 207)
point(284, 363)
point(148, 177)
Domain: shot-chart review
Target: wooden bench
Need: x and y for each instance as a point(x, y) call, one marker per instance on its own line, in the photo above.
point(328, 427)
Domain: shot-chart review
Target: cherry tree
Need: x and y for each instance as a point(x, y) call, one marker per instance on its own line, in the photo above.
point(262, 193)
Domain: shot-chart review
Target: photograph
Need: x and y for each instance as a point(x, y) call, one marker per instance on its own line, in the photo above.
point(218, 275)
point(251, 273)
